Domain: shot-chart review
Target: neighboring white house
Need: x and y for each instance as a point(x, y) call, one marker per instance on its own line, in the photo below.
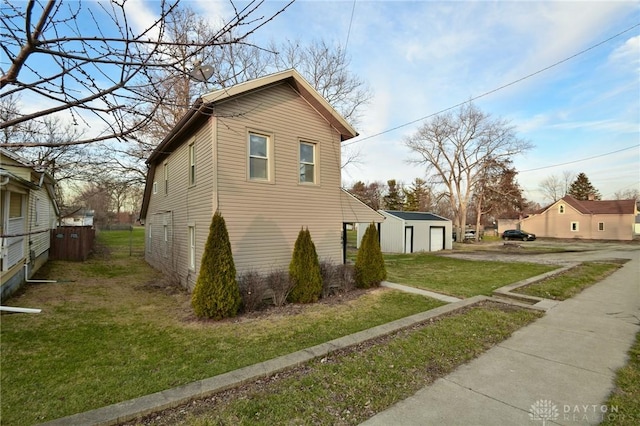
point(266, 154)
point(28, 212)
point(409, 232)
point(81, 217)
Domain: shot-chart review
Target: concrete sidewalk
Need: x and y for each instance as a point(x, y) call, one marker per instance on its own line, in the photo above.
point(558, 370)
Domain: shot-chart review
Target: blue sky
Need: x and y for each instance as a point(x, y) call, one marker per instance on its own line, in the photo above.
point(420, 57)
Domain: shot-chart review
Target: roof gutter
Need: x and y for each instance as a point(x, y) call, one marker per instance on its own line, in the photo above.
point(183, 124)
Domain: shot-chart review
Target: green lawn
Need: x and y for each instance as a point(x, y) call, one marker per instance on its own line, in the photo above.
point(457, 277)
point(111, 330)
point(625, 397)
point(571, 282)
point(350, 386)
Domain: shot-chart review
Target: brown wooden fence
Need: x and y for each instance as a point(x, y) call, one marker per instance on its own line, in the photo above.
point(71, 242)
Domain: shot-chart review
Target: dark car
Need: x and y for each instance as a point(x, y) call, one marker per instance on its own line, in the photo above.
point(517, 234)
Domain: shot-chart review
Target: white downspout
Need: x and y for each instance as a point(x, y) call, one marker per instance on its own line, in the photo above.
point(20, 310)
point(26, 276)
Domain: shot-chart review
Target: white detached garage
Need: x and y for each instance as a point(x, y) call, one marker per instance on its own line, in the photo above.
point(408, 232)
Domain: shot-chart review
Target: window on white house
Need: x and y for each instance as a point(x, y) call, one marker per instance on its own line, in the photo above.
point(37, 215)
point(15, 205)
point(155, 187)
point(166, 178)
point(561, 208)
point(307, 162)
point(600, 226)
point(192, 164)
point(192, 247)
point(258, 157)
point(574, 226)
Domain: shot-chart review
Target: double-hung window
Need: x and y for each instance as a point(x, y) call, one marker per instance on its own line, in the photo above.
point(192, 164)
point(259, 157)
point(192, 247)
point(307, 162)
point(166, 178)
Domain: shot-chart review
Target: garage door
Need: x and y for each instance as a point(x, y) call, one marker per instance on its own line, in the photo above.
point(436, 238)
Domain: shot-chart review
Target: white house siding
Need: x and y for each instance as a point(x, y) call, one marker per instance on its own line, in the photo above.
point(264, 218)
point(185, 205)
point(42, 219)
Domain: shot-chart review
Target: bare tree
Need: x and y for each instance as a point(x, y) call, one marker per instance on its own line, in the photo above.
point(100, 79)
point(369, 193)
point(555, 187)
point(457, 147)
point(627, 194)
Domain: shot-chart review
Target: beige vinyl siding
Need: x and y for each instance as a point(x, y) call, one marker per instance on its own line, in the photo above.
point(553, 224)
point(264, 218)
point(185, 205)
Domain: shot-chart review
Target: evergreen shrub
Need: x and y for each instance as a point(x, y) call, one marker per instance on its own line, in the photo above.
point(216, 294)
point(369, 268)
point(304, 270)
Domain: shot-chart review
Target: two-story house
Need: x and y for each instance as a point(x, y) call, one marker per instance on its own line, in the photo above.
point(266, 154)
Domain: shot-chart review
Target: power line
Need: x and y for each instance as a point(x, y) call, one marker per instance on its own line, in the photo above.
point(497, 89)
point(346, 43)
point(578, 161)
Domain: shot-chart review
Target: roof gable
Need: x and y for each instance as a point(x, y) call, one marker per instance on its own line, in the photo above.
point(597, 206)
point(203, 108)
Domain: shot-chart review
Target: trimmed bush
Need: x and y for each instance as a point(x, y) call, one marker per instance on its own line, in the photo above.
point(216, 294)
point(304, 270)
point(369, 268)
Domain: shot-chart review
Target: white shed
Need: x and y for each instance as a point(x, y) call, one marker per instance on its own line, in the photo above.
point(409, 232)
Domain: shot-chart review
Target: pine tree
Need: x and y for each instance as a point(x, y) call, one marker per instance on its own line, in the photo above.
point(369, 268)
point(304, 270)
point(581, 189)
point(394, 199)
point(216, 294)
point(417, 196)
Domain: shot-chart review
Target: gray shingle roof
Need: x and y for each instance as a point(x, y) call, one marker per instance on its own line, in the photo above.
point(414, 215)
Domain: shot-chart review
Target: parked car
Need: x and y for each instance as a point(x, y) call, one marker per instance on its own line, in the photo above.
point(518, 234)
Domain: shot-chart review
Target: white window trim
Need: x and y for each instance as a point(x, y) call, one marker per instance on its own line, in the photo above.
point(270, 156)
point(192, 164)
point(315, 162)
point(577, 226)
point(165, 169)
point(155, 187)
point(562, 209)
point(600, 224)
point(192, 247)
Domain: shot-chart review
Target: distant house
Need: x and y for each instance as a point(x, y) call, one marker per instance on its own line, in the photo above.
point(28, 212)
point(80, 217)
point(266, 154)
point(592, 219)
point(409, 232)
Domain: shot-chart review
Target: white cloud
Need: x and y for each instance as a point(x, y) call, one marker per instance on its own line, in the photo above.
point(627, 55)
